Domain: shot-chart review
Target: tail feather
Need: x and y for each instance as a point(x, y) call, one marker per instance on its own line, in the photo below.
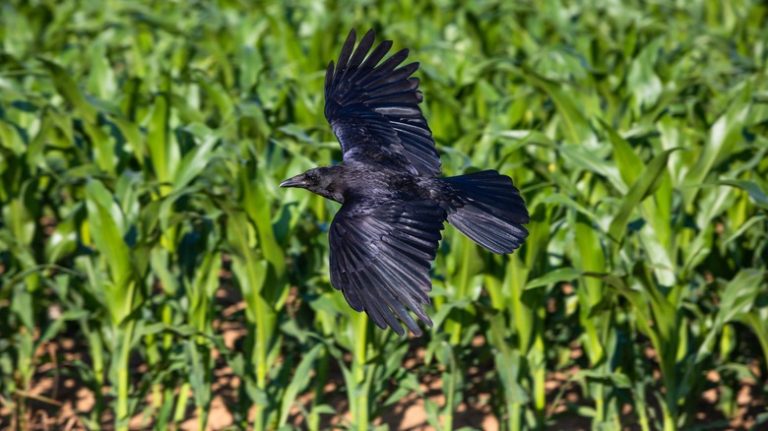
point(489, 210)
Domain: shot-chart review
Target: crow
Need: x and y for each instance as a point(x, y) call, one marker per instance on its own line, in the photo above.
point(394, 202)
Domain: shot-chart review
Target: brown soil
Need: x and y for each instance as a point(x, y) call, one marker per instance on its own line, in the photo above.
point(58, 400)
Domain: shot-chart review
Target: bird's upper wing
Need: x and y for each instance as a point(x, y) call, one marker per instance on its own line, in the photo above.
point(373, 108)
point(380, 258)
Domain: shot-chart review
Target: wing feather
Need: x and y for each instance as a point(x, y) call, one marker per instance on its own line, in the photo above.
point(381, 256)
point(372, 104)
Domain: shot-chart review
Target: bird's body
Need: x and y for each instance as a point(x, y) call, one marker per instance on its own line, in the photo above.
point(357, 181)
point(394, 202)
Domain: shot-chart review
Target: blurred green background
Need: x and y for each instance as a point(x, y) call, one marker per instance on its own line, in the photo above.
point(154, 276)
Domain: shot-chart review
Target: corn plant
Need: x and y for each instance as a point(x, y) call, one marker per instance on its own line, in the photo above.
point(141, 145)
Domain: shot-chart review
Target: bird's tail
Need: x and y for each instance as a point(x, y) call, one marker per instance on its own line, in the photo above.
point(489, 210)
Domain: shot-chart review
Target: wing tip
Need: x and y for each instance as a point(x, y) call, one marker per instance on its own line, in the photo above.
point(329, 71)
point(409, 323)
point(351, 36)
point(368, 38)
point(346, 49)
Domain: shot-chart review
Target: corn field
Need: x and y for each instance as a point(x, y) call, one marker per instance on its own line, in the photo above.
point(154, 276)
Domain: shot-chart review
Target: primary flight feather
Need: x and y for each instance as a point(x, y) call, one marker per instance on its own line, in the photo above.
point(385, 236)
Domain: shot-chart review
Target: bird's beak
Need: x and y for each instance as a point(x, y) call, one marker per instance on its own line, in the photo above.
point(297, 181)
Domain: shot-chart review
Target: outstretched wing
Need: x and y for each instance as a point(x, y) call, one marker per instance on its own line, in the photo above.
point(373, 108)
point(381, 256)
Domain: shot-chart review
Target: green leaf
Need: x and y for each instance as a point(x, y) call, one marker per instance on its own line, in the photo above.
point(642, 188)
point(627, 161)
point(556, 276)
point(757, 195)
point(194, 162)
point(723, 135)
point(738, 299)
point(298, 383)
point(163, 152)
point(577, 129)
point(585, 158)
point(69, 89)
point(105, 219)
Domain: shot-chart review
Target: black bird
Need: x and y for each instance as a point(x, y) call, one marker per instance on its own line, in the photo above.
point(384, 237)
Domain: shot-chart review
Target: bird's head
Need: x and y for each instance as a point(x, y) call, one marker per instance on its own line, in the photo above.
point(322, 181)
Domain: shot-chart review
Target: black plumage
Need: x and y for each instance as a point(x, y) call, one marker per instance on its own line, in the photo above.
point(386, 234)
point(374, 109)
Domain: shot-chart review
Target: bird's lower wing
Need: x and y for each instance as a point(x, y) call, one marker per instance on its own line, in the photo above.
point(381, 256)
